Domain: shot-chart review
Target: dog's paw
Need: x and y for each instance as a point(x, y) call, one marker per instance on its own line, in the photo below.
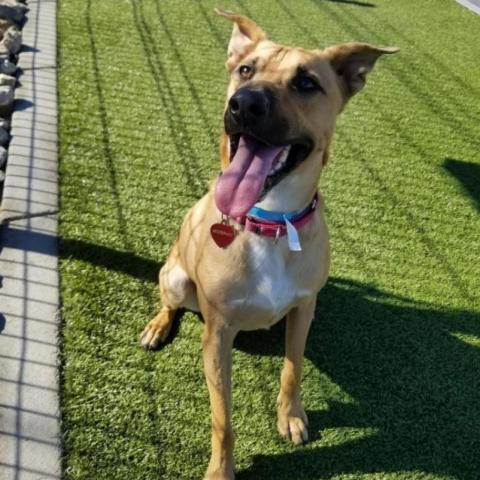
point(156, 331)
point(292, 424)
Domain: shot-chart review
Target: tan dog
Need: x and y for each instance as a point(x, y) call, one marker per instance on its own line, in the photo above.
point(279, 121)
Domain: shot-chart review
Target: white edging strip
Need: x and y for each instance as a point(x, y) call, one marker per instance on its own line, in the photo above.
point(471, 5)
point(29, 298)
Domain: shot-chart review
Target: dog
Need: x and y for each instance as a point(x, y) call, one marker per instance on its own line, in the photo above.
point(255, 248)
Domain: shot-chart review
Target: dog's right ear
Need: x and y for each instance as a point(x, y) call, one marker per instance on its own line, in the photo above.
point(245, 37)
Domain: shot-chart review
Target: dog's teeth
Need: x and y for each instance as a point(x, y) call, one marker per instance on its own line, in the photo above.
point(284, 154)
point(280, 161)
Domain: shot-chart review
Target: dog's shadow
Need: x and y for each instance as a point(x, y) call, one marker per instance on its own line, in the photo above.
point(413, 372)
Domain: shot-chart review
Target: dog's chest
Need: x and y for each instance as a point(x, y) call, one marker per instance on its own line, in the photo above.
point(273, 285)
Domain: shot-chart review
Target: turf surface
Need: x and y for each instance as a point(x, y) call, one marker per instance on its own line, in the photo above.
point(393, 360)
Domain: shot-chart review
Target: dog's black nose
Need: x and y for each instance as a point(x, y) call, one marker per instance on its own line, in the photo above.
point(248, 104)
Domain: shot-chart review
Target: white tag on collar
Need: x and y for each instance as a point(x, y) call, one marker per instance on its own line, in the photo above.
point(292, 236)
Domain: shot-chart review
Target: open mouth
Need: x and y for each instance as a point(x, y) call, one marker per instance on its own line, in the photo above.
point(290, 156)
point(255, 168)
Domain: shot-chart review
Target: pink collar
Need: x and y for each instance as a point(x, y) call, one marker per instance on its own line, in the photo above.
point(277, 228)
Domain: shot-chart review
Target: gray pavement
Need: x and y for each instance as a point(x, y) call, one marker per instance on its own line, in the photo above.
point(473, 5)
point(29, 298)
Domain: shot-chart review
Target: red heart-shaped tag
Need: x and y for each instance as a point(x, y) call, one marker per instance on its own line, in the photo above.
point(222, 234)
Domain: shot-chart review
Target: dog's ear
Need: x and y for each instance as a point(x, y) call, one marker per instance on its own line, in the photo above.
point(245, 36)
point(352, 62)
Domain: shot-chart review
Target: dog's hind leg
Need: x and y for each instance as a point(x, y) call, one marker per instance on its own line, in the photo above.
point(176, 291)
point(292, 420)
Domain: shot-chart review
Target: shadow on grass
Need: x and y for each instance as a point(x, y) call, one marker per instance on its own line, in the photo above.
point(413, 382)
point(468, 174)
point(411, 374)
point(354, 26)
point(116, 260)
point(417, 81)
point(357, 3)
point(411, 370)
point(176, 122)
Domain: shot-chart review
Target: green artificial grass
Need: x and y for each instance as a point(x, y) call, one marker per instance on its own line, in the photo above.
point(392, 383)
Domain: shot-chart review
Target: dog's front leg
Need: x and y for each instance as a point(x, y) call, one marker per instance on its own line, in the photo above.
point(292, 420)
point(217, 357)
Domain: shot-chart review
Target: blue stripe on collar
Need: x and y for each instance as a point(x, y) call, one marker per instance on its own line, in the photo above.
point(270, 216)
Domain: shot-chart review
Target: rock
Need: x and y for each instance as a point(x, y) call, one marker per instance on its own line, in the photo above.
point(5, 123)
point(7, 80)
point(13, 10)
point(4, 137)
point(4, 25)
point(7, 96)
point(7, 67)
point(11, 42)
point(3, 156)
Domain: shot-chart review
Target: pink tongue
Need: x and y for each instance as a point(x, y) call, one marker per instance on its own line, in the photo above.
point(240, 185)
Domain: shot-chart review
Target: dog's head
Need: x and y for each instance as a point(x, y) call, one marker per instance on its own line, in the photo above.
point(281, 108)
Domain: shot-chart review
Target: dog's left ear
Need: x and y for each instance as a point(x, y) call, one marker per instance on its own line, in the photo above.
point(245, 37)
point(352, 62)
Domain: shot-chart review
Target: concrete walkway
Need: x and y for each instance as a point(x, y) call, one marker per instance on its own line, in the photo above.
point(29, 298)
point(473, 5)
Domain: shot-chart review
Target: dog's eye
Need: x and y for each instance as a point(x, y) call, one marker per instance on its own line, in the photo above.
point(306, 84)
point(246, 71)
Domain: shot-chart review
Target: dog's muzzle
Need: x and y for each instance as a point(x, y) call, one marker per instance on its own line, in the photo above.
point(251, 110)
point(249, 106)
